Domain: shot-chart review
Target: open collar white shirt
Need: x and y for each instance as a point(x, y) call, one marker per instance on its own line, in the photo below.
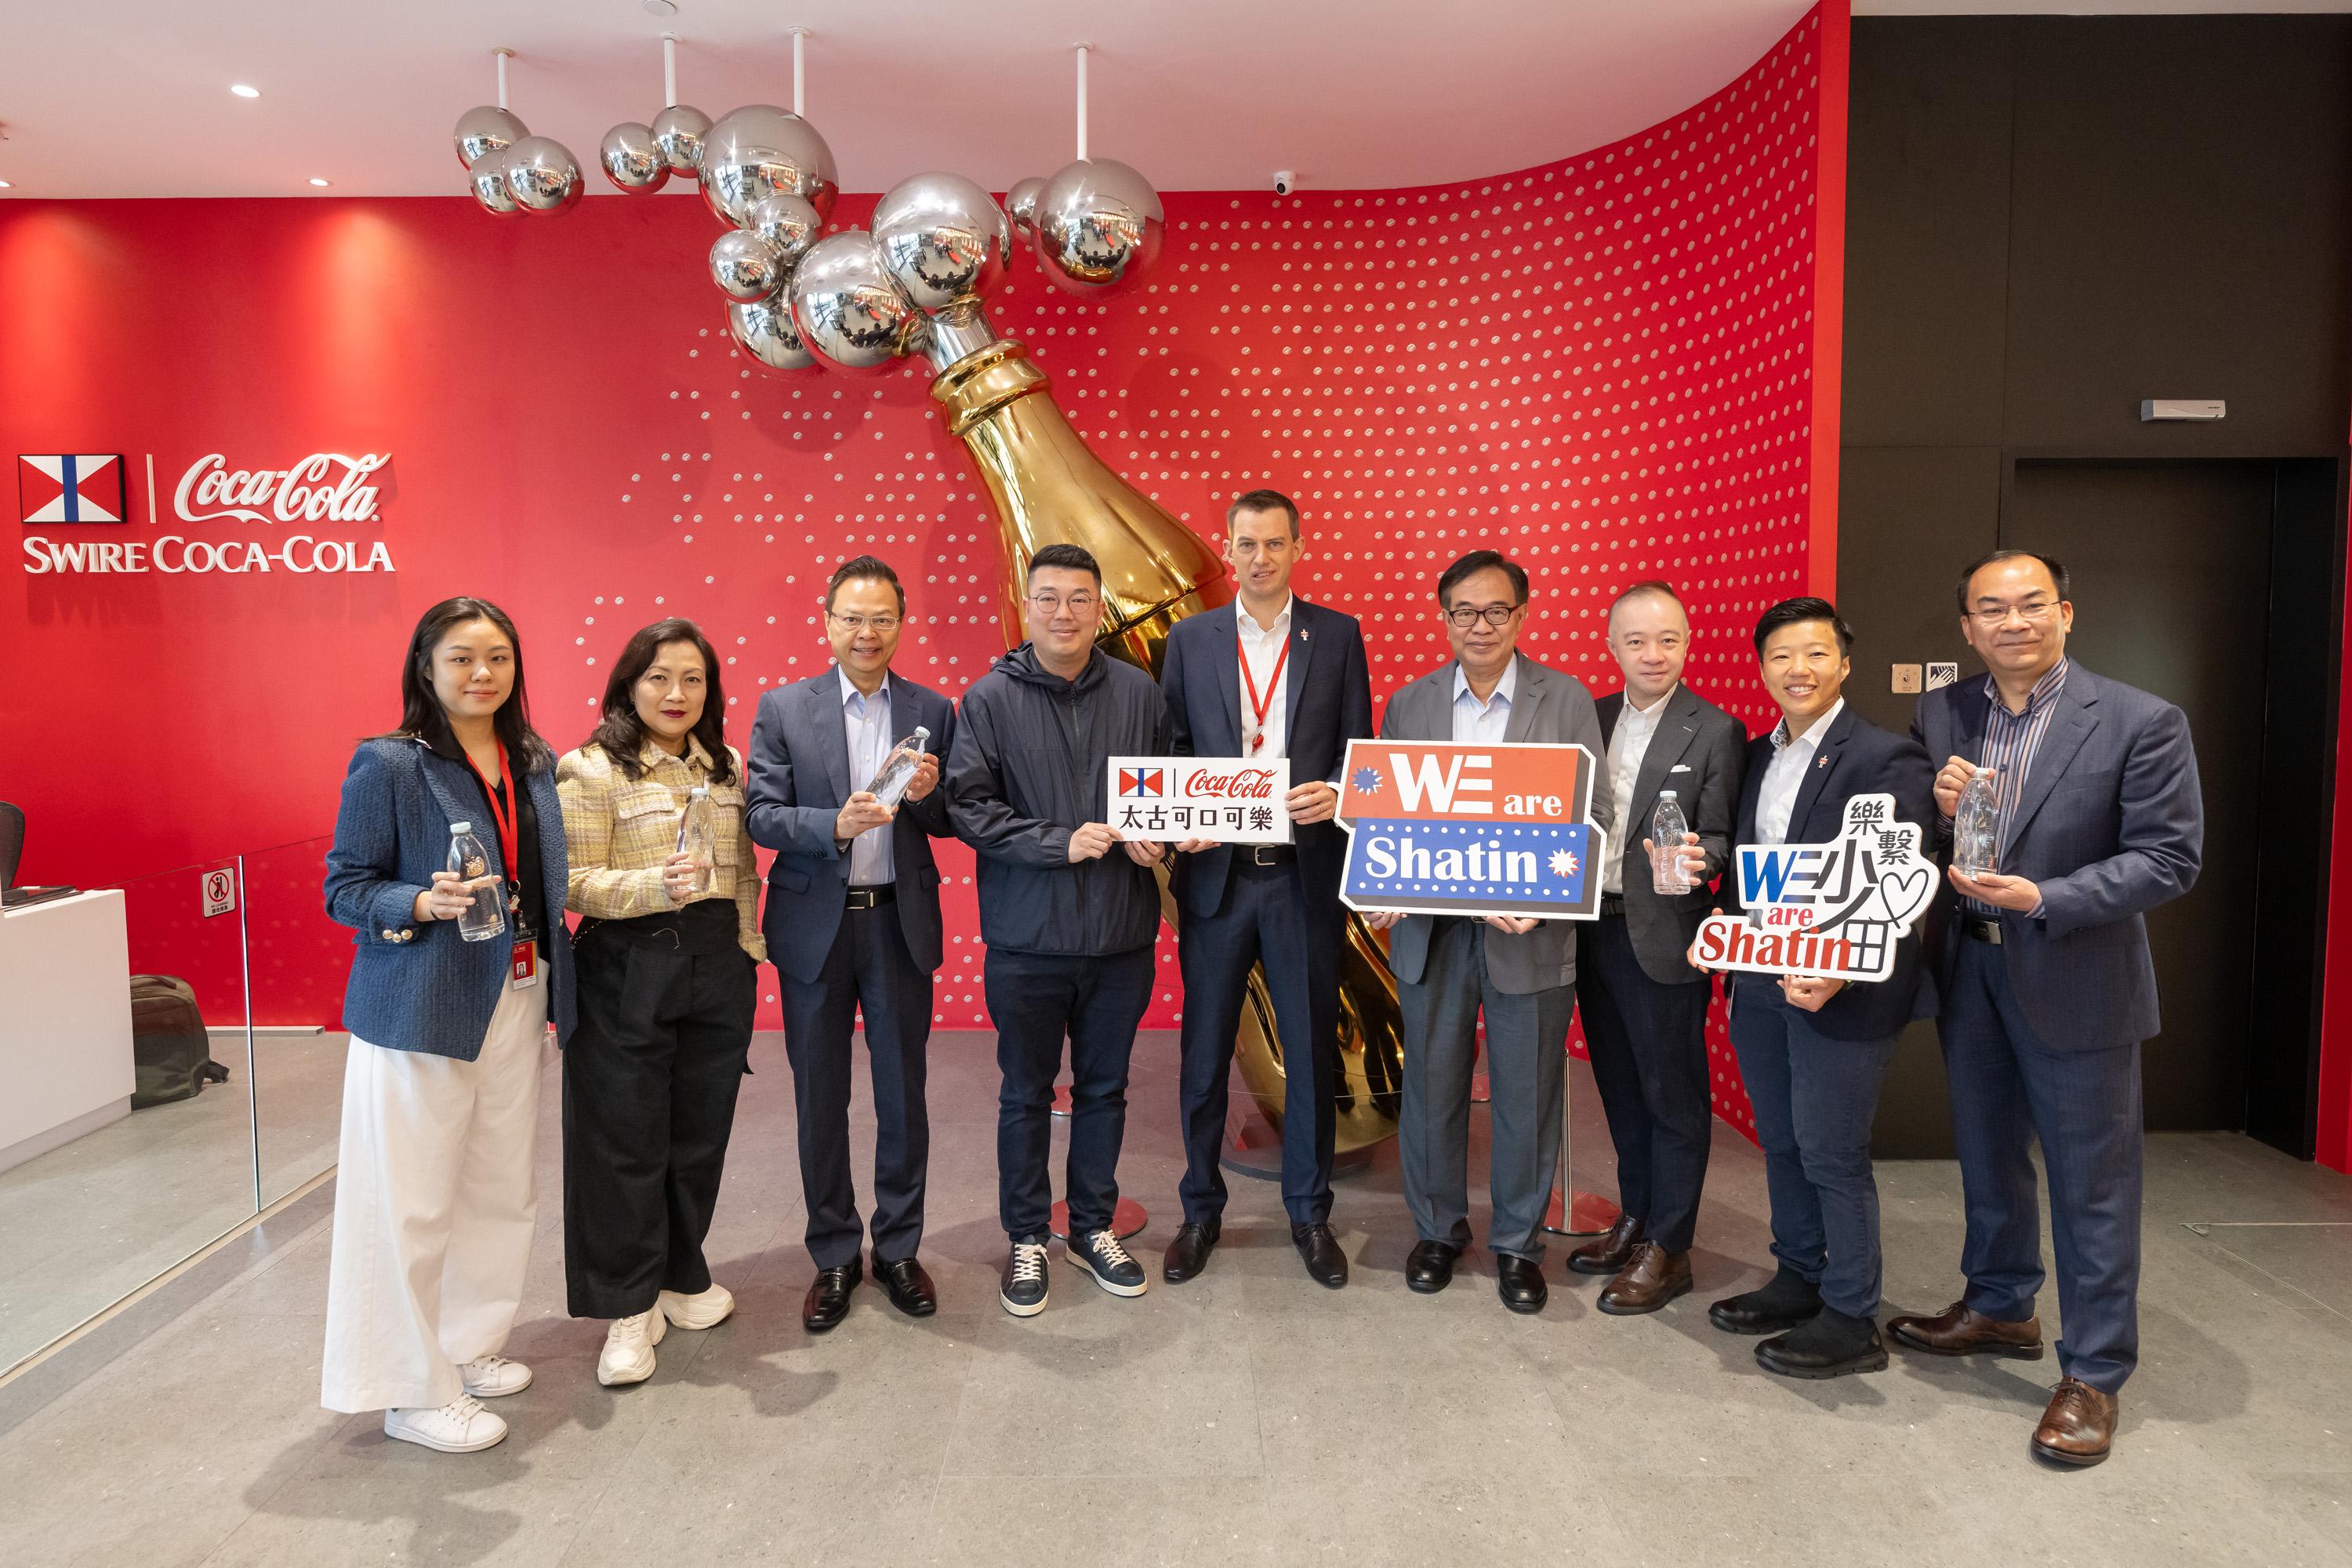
point(1476, 721)
point(1629, 743)
point(1261, 651)
point(866, 721)
point(1784, 775)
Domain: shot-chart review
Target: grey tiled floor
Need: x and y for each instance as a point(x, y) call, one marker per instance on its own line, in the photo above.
point(1248, 1416)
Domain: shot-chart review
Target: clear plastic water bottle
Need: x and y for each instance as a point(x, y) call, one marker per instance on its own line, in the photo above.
point(485, 916)
point(697, 836)
point(1976, 824)
point(897, 770)
point(1666, 830)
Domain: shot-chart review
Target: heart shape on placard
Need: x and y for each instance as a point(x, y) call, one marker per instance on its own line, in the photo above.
point(1908, 892)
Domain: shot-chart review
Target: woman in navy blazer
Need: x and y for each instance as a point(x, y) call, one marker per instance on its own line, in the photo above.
point(435, 1206)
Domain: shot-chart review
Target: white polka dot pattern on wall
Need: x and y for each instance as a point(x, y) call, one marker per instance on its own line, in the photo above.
point(1601, 366)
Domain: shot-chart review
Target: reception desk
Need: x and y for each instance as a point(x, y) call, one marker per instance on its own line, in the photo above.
point(65, 1023)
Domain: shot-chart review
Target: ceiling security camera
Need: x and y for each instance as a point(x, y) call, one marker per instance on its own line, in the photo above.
point(1284, 182)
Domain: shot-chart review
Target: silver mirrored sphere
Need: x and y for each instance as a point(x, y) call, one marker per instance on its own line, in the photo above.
point(542, 174)
point(790, 224)
point(944, 240)
point(760, 151)
point(487, 129)
point(632, 160)
point(488, 179)
point(764, 329)
point(1021, 201)
point(1099, 225)
point(849, 313)
point(678, 132)
point(745, 267)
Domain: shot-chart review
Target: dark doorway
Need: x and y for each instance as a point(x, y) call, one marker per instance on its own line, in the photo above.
point(2212, 584)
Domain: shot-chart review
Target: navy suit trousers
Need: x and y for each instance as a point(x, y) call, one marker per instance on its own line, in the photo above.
point(1264, 917)
point(1814, 1099)
point(867, 969)
point(1034, 999)
point(1648, 1044)
point(2010, 1085)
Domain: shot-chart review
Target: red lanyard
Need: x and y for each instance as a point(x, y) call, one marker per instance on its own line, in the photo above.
point(504, 814)
point(1258, 705)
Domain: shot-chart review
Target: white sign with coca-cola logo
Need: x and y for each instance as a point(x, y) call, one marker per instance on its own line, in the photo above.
point(1231, 800)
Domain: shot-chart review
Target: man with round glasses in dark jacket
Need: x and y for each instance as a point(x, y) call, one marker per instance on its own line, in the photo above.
point(1068, 909)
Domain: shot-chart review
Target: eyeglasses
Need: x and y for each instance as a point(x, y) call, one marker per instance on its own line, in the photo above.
point(1467, 615)
point(855, 623)
point(1993, 615)
point(1081, 605)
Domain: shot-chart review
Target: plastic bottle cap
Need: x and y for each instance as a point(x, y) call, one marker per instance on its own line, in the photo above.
point(457, 828)
point(1667, 795)
point(921, 733)
point(700, 792)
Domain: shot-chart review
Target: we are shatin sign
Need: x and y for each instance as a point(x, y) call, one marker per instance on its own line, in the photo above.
point(1444, 828)
point(1833, 910)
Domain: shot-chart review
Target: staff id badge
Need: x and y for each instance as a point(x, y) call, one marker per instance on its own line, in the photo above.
point(526, 964)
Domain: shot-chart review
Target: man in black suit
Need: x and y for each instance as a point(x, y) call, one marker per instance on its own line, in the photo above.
point(1645, 1006)
point(852, 924)
point(1269, 676)
point(1812, 1050)
point(2047, 986)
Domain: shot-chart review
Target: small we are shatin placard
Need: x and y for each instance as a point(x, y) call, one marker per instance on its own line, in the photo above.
point(1232, 800)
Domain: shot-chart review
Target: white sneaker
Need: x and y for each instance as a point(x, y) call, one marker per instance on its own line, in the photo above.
point(703, 1309)
point(494, 1377)
point(629, 1348)
point(460, 1426)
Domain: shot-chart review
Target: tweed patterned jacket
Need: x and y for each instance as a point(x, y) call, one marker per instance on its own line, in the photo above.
point(617, 831)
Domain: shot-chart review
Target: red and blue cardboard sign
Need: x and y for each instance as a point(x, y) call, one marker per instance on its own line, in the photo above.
point(1444, 827)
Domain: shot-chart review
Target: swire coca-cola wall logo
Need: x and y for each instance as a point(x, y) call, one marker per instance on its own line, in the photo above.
point(324, 488)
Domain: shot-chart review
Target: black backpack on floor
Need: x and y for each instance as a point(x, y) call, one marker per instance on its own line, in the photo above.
point(168, 1043)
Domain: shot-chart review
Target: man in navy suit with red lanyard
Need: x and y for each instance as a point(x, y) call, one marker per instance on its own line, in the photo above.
point(2047, 986)
point(1269, 676)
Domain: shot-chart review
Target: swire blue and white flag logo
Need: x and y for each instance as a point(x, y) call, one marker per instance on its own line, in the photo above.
point(1834, 910)
point(70, 487)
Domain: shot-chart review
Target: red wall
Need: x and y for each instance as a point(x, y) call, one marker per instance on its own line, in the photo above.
point(1604, 366)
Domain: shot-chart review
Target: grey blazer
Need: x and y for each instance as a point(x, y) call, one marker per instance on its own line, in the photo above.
point(1700, 753)
point(1546, 705)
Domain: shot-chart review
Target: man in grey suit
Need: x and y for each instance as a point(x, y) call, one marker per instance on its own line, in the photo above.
point(1644, 1006)
point(1520, 973)
point(853, 925)
point(2047, 987)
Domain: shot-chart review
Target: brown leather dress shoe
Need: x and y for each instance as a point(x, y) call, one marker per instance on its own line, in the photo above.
point(2079, 1426)
point(1959, 1330)
point(1610, 1253)
point(1653, 1278)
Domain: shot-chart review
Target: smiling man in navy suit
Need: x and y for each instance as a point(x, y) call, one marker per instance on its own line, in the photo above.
point(2048, 989)
point(1813, 1051)
point(853, 926)
point(1269, 676)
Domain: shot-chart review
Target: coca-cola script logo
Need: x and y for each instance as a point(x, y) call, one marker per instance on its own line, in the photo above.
point(325, 487)
point(1245, 783)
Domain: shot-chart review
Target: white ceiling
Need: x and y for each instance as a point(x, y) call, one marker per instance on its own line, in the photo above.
point(129, 98)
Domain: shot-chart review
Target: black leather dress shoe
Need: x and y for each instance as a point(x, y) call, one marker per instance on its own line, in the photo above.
point(1326, 1263)
point(1429, 1268)
point(910, 1288)
point(1520, 1283)
point(1832, 1346)
point(1787, 1301)
point(1189, 1253)
point(828, 1296)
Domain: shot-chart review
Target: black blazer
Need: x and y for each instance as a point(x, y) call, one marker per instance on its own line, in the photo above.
point(799, 778)
point(1855, 757)
point(1701, 753)
point(1329, 703)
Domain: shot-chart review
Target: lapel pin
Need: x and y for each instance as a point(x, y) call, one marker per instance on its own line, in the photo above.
point(1822, 763)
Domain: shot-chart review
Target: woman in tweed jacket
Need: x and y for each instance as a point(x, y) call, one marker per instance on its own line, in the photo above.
point(435, 1205)
point(669, 953)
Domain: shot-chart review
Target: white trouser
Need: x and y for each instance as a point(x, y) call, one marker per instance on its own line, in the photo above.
point(435, 1206)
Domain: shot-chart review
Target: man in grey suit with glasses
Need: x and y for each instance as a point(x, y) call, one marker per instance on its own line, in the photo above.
point(1521, 973)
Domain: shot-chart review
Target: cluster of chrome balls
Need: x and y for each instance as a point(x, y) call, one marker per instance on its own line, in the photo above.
point(856, 299)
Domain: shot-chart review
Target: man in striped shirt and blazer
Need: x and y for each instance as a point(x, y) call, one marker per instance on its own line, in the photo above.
point(2047, 987)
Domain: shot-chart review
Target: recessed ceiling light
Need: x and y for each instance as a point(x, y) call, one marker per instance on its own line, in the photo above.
point(5, 185)
point(244, 91)
point(661, 8)
point(316, 181)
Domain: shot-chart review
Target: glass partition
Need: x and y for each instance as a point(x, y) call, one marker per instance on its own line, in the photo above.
point(300, 961)
point(127, 1132)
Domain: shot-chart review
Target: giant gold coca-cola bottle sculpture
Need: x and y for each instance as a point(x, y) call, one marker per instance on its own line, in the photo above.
point(859, 301)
